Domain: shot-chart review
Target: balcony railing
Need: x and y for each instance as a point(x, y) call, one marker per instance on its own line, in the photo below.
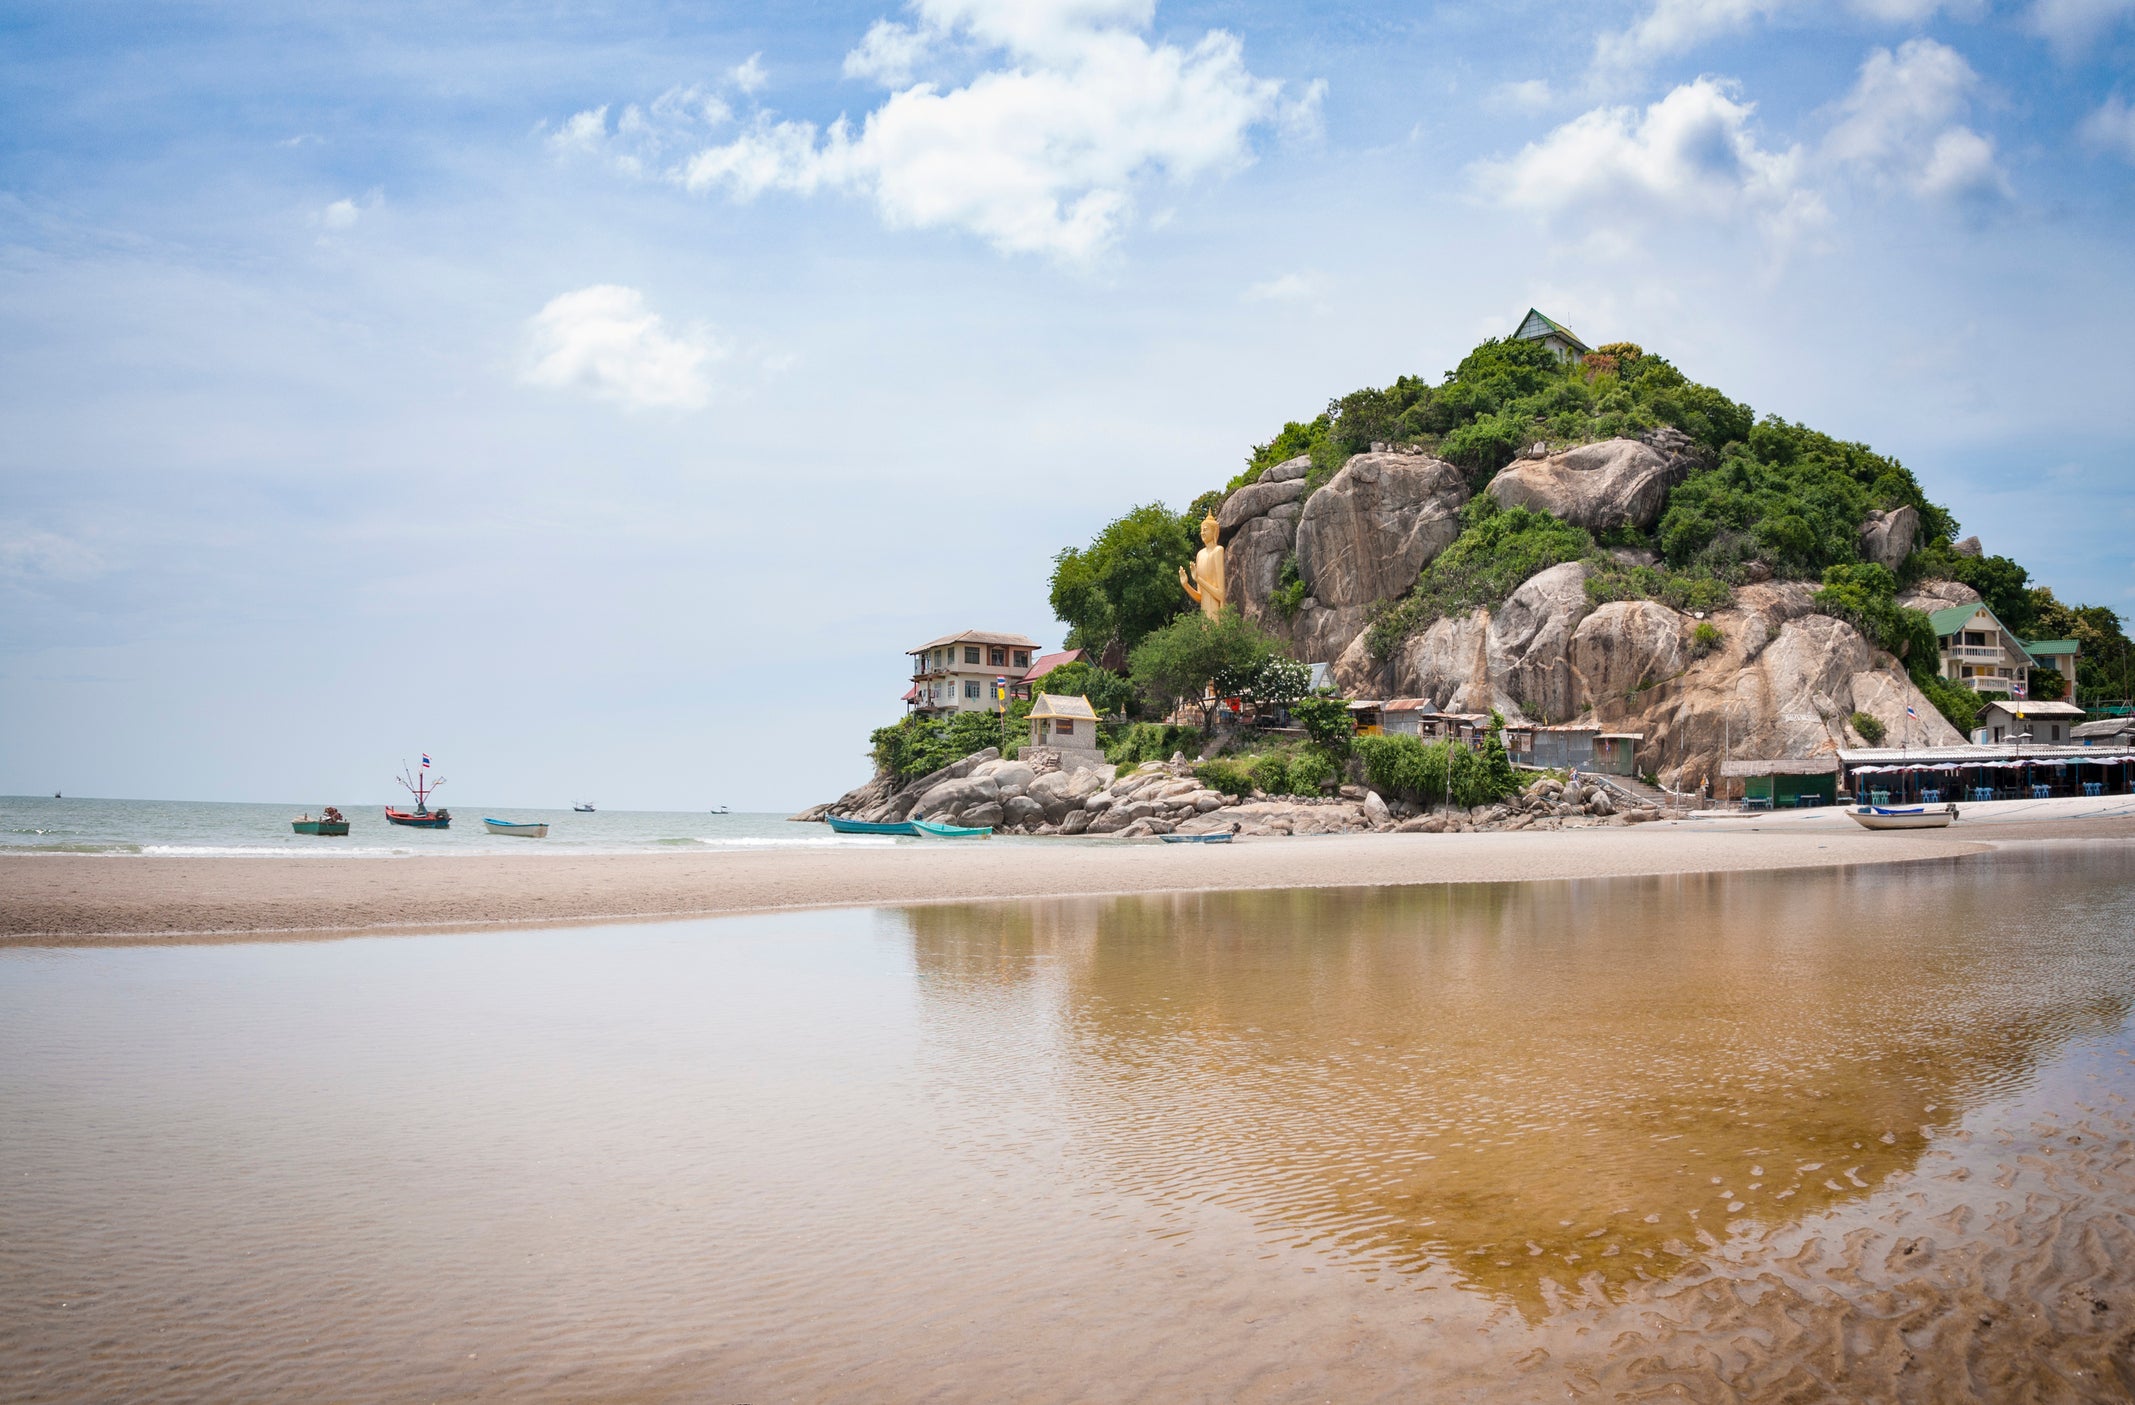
point(1977, 653)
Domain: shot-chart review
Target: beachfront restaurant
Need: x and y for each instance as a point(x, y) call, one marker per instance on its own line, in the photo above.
point(1784, 782)
point(1938, 775)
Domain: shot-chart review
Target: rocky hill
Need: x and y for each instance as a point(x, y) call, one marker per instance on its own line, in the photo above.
point(1780, 679)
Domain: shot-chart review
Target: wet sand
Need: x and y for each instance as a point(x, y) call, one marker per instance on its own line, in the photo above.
point(1856, 1134)
point(78, 899)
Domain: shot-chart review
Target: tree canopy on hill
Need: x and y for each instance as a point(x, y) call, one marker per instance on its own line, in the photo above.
point(1774, 498)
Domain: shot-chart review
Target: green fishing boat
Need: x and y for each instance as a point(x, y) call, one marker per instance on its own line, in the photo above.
point(329, 822)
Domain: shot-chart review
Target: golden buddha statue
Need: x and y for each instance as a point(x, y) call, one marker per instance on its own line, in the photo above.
point(1208, 571)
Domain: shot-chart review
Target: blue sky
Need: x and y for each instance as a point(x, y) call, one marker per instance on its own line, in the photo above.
point(601, 397)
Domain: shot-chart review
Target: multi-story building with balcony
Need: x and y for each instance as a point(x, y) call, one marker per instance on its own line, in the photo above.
point(960, 672)
point(1979, 651)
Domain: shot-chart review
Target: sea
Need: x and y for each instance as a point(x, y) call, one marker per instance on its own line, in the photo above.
point(212, 829)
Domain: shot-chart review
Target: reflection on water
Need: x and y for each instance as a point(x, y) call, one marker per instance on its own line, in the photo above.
point(1852, 1135)
point(1562, 1083)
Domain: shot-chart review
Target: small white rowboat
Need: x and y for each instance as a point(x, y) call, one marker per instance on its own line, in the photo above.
point(1918, 817)
point(524, 831)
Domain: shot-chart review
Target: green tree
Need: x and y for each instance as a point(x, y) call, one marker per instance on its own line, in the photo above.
point(1328, 721)
point(1125, 583)
point(1108, 693)
point(1181, 659)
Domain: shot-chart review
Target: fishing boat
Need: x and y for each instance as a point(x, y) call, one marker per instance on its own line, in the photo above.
point(525, 829)
point(421, 787)
point(1916, 817)
point(840, 825)
point(720, 810)
point(583, 807)
point(1221, 836)
point(949, 831)
point(330, 821)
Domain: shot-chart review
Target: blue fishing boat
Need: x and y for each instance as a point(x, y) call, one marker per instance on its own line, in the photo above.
point(949, 831)
point(840, 825)
point(1221, 836)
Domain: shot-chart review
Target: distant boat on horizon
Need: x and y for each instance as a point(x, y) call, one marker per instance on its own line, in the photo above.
point(584, 807)
point(719, 810)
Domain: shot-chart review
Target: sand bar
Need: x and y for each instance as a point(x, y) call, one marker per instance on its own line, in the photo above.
point(76, 899)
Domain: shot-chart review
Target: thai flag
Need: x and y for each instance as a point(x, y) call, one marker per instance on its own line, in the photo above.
point(1909, 711)
point(426, 761)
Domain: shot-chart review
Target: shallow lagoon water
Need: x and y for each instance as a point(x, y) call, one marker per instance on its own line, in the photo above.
point(1853, 1134)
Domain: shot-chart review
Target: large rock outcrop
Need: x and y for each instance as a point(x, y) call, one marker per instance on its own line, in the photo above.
point(1370, 531)
point(1614, 483)
point(1887, 538)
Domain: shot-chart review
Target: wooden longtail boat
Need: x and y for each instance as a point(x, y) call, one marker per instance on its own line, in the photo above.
point(531, 829)
point(329, 822)
point(949, 831)
point(1221, 836)
point(840, 825)
point(1917, 817)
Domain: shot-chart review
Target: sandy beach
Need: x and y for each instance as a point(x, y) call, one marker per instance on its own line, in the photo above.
point(69, 899)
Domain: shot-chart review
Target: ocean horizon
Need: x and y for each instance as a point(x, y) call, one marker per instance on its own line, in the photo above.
point(31, 825)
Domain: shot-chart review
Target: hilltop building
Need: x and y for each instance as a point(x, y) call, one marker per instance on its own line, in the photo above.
point(960, 672)
point(1980, 652)
point(1558, 338)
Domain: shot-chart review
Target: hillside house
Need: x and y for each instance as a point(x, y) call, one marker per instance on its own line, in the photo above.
point(2040, 723)
point(1558, 338)
point(960, 672)
point(1979, 651)
point(1042, 665)
point(2060, 655)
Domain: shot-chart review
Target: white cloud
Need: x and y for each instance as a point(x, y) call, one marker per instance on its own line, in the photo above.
point(2112, 128)
point(342, 215)
point(1679, 26)
point(1529, 95)
point(1691, 153)
point(603, 340)
point(2071, 24)
point(749, 75)
point(1900, 123)
point(1041, 153)
point(583, 134)
point(887, 55)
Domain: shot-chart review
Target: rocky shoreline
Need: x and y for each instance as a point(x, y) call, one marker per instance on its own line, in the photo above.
point(1165, 797)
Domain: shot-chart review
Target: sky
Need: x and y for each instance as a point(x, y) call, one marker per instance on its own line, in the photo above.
point(602, 397)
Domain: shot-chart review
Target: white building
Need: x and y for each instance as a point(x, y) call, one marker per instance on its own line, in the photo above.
point(1535, 327)
point(962, 672)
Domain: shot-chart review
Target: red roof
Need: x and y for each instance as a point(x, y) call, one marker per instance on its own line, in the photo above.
point(912, 693)
point(1046, 663)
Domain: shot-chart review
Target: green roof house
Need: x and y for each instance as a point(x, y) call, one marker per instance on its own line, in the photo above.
point(2060, 655)
point(1558, 338)
point(1980, 652)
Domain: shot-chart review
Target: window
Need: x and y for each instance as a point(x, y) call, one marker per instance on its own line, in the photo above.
point(971, 685)
point(1975, 638)
point(996, 658)
point(1022, 658)
point(971, 653)
point(1065, 726)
